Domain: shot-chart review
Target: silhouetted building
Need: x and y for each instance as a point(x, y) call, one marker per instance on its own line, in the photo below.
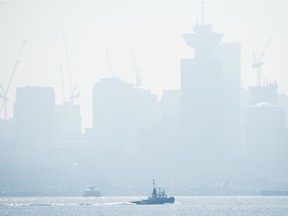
point(119, 111)
point(170, 107)
point(201, 95)
point(283, 102)
point(7, 142)
point(265, 93)
point(162, 138)
point(230, 56)
point(266, 134)
point(35, 120)
point(210, 95)
point(244, 105)
point(6, 131)
point(69, 120)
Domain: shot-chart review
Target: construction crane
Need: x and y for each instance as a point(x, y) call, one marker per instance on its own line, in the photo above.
point(136, 68)
point(73, 93)
point(4, 94)
point(62, 81)
point(257, 64)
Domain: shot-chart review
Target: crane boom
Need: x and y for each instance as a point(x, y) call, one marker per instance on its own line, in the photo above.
point(2, 91)
point(6, 91)
point(15, 67)
point(257, 64)
point(264, 50)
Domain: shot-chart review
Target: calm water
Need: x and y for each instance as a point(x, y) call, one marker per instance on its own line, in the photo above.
point(118, 206)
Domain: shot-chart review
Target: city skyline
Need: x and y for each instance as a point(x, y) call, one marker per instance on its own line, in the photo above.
point(206, 135)
point(158, 45)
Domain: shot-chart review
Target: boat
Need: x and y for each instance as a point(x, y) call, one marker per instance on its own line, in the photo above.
point(91, 192)
point(155, 198)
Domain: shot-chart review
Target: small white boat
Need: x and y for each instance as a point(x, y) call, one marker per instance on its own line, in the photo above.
point(91, 192)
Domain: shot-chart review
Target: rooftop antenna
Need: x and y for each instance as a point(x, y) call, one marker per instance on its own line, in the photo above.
point(202, 15)
point(109, 63)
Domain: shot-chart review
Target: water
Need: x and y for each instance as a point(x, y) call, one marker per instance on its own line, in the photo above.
point(118, 206)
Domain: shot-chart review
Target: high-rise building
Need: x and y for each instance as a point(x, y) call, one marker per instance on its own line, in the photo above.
point(230, 56)
point(283, 102)
point(170, 107)
point(35, 118)
point(69, 120)
point(263, 93)
point(119, 111)
point(161, 139)
point(6, 131)
point(266, 135)
point(265, 129)
point(208, 83)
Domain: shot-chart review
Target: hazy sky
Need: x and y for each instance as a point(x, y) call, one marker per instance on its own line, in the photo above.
point(153, 28)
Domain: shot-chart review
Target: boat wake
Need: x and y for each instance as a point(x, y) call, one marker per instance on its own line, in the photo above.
point(113, 204)
point(63, 204)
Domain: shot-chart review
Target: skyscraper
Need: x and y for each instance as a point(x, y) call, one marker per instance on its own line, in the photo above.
point(69, 120)
point(119, 111)
point(210, 87)
point(35, 120)
point(263, 93)
point(230, 56)
point(266, 135)
point(201, 94)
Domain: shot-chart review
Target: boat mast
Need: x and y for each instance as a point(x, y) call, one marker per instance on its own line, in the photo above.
point(154, 193)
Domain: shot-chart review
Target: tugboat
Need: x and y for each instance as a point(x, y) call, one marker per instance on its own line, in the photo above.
point(155, 198)
point(91, 192)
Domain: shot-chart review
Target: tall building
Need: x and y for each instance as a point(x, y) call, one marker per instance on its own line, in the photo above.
point(230, 56)
point(69, 120)
point(35, 119)
point(208, 83)
point(7, 141)
point(283, 102)
point(263, 93)
point(266, 135)
point(161, 139)
point(119, 111)
point(6, 131)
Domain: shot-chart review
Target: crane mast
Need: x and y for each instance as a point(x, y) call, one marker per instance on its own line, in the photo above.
point(72, 89)
point(62, 81)
point(109, 63)
point(136, 68)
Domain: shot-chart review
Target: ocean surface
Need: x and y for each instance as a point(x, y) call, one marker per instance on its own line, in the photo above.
point(118, 206)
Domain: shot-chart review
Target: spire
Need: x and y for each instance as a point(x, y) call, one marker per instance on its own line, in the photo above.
point(202, 15)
